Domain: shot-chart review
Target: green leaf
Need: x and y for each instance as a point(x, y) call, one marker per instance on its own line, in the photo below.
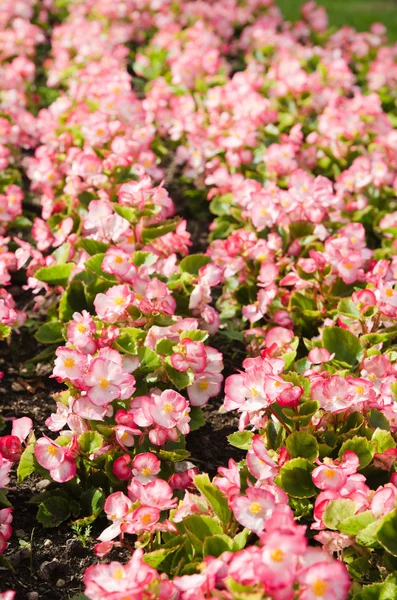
point(92, 501)
point(241, 539)
point(144, 258)
point(53, 512)
point(196, 335)
point(300, 229)
point(73, 300)
point(201, 526)
point(353, 525)
point(367, 536)
point(386, 533)
point(344, 344)
point(50, 333)
point(241, 439)
point(155, 558)
point(362, 447)
point(301, 444)
point(179, 379)
point(337, 511)
point(378, 419)
point(5, 331)
point(295, 478)
point(347, 307)
point(216, 499)
point(56, 274)
point(93, 247)
point(26, 463)
point(174, 455)
point(383, 440)
point(94, 264)
point(197, 419)
point(90, 441)
point(127, 212)
point(193, 263)
point(165, 346)
point(4, 502)
point(215, 545)
point(148, 359)
point(128, 340)
point(154, 231)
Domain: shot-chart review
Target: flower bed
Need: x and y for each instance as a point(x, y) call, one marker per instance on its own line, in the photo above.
point(199, 223)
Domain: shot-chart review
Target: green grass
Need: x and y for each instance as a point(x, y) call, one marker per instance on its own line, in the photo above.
point(356, 13)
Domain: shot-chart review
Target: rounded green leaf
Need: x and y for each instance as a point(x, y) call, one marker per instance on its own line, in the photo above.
point(302, 444)
point(337, 511)
point(360, 446)
point(90, 441)
point(295, 478)
point(344, 344)
point(386, 533)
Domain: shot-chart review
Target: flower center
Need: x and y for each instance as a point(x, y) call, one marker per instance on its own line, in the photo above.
point(118, 260)
point(168, 408)
point(255, 508)
point(69, 363)
point(329, 473)
point(254, 392)
point(119, 301)
point(389, 292)
point(118, 574)
point(203, 385)
point(81, 328)
point(52, 450)
point(277, 555)
point(103, 382)
point(146, 519)
point(319, 587)
point(146, 471)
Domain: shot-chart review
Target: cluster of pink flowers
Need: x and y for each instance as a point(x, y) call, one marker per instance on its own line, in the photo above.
point(286, 133)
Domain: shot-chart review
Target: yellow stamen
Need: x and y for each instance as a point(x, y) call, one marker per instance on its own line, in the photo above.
point(277, 555)
point(203, 385)
point(118, 574)
point(103, 382)
point(81, 328)
point(146, 519)
point(69, 363)
point(52, 450)
point(255, 508)
point(146, 471)
point(330, 473)
point(319, 587)
point(168, 408)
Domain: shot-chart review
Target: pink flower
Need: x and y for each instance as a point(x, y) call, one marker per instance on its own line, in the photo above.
point(69, 364)
point(112, 306)
point(102, 581)
point(80, 332)
point(118, 509)
point(253, 509)
point(57, 459)
point(121, 467)
point(324, 581)
point(5, 527)
point(168, 409)
point(105, 381)
point(145, 467)
point(157, 494)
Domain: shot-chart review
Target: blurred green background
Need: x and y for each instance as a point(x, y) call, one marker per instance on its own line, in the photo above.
point(356, 13)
